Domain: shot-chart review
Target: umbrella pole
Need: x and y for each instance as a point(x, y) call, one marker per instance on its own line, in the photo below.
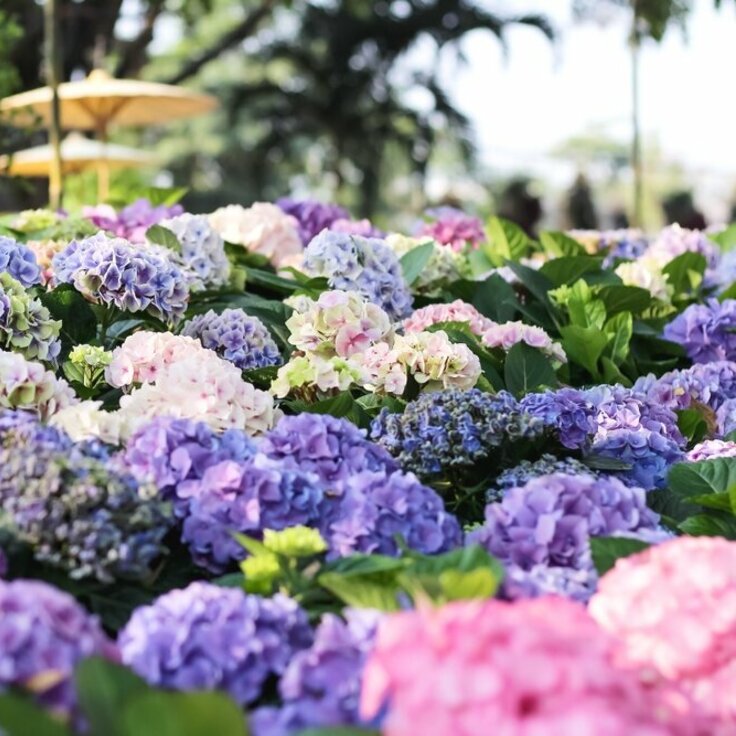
point(51, 41)
point(103, 166)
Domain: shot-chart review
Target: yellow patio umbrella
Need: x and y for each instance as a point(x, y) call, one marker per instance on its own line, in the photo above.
point(77, 154)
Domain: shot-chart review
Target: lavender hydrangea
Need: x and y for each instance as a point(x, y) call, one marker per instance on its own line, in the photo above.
point(18, 260)
point(132, 221)
point(75, 509)
point(113, 272)
point(202, 250)
point(706, 331)
point(726, 417)
point(541, 580)
point(365, 265)
point(454, 431)
point(550, 520)
point(569, 412)
point(321, 685)
point(235, 336)
point(45, 632)
point(313, 217)
point(207, 637)
point(711, 450)
point(365, 228)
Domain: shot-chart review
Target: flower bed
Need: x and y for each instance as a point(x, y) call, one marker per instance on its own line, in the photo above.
point(276, 471)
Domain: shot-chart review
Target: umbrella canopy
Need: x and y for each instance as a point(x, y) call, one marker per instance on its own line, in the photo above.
point(77, 153)
point(100, 101)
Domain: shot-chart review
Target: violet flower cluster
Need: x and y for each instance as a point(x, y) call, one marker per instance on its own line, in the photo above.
point(132, 221)
point(711, 450)
point(235, 336)
point(365, 265)
point(207, 637)
point(113, 272)
point(313, 216)
point(569, 412)
point(18, 260)
point(706, 331)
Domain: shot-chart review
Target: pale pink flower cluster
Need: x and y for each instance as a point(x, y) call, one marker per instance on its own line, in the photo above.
point(337, 323)
point(144, 356)
point(457, 311)
point(532, 668)
point(88, 421)
point(672, 609)
point(508, 334)
point(710, 450)
point(45, 250)
point(262, 228)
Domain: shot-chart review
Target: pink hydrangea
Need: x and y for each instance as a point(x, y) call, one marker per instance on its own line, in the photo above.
point(457, 311)
point(262, 228)
point(673, 610)
point(452, 227)
point(710, 450)
point(45, 250)
point(508, 334)
point(533, 668)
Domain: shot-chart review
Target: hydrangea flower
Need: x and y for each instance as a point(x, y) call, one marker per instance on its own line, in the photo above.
point(706, 331)
point(26, 326)
point(646, 273)
point(457, 311)
point(44, 252)
point(235, 336)
point(533, 667)
point(443, 267)
point(550, 520)
point(113, 272)
point(313, 217)
point(18, 260)
point(365, 228)
point(45, 635)
point(25, 384)
point(365, 265)
point(508, 334)
point(726, 417)
point(675, 240)
point(77, 510)
point(452, 227)
point(626, 243)
point(312, 376)
point(29, 221)
point(87, 420)
point(321, 685)
point(671, 610)
point(710, 450)
point(132, 221)
point(570, 412)
point(262, 228)
point(202, 249)
point(207, 637)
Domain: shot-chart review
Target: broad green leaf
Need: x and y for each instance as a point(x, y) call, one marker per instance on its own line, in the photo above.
point(713, 524)
point(526, 369)
point(611, 373)
point(259, 277)
point(558, 244)
point(164, 196)
point(584, 345)
point(457, 585)
point(568, 269)
point(537, 283)
point(619, 330)
point(685, 272)
point(160, 235)
point(624, 299)
point(415, 261)
point(696, 479)
point(379, 591)
point(717, 501)
point(78, 320)
point(726, 239)
point(693, 425)
point(606, 550)
point(505, 240)
point(495, 298)
point(479, 263)
point(22, 717)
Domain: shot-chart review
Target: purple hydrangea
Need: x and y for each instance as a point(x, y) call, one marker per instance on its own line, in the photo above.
point(321, 686)
point(113, 272)
point(541, 580)
point(706, 331)
point(569, 412)
point(454, 431)
point(550, 520)
point(365, 265)
point(675, 240)
point(364, 228)
point(132, 221)
point(233, 335)
point(726, 417)
point(207, 637)
point(18, 260)
point(247, 497)
point(711, 450)
point(45, 633)
point(313, 217)
point(175, 453)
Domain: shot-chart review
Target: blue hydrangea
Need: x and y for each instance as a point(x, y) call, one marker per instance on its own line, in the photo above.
point(706, 331)
point(365, 265)
point(207, 637)
point(569, 412)
point(18, 260)
point(235, 336)
point(131, 278)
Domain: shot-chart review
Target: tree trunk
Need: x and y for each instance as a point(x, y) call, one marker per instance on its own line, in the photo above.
point(52, 79)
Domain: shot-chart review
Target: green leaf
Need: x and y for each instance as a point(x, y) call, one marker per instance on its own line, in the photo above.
point(160, 235)
point(495, 298)
point(22, 717)
point(103, 689)
point(612, 373)
point(693, 425)
point(527, 369)
point(712, 524)
point(342, 405)
point(717, 501)
point(584, 345)
point(505, 240)
point(415, 261)
point(537, 283)
point(696, 479)
point(261, 377)
point(258, 277)
point(606, 550)
point(568, 269)
point(371, 591)
point(624, 299)
point(558, 244)
point(456, 585)
point(166, 196)
point(78, 320)
point(619, 330)
point(182, 714)
point(685, 272)
point(603, 462)
point(726, 239)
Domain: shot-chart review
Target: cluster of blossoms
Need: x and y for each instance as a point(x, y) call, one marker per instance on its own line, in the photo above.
point(206, 637)
point(532, 667)
point(365, 265)
point(674, 240)
point(132, 221)
point(87, 364)
point(628, 243)
point(706, 331)
point(671, 610)
point(236, 337)
point(508, 334)
point(710, 450)
point(44, 252)
point(26, 326)
point(548, 522)
point(262, 228)
point(202, 250)
point(45, 635)
point(113, 272)
point(312, 217)
point(26, 384)
point(75, 508)
point(87, 420)
point(453, 228)
point(321, 685)
point(29, 221)
point(311, 374)
point(18, 261)
point(646, 273)
point(454, 431)
point(444, 265)
point(365, 228)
